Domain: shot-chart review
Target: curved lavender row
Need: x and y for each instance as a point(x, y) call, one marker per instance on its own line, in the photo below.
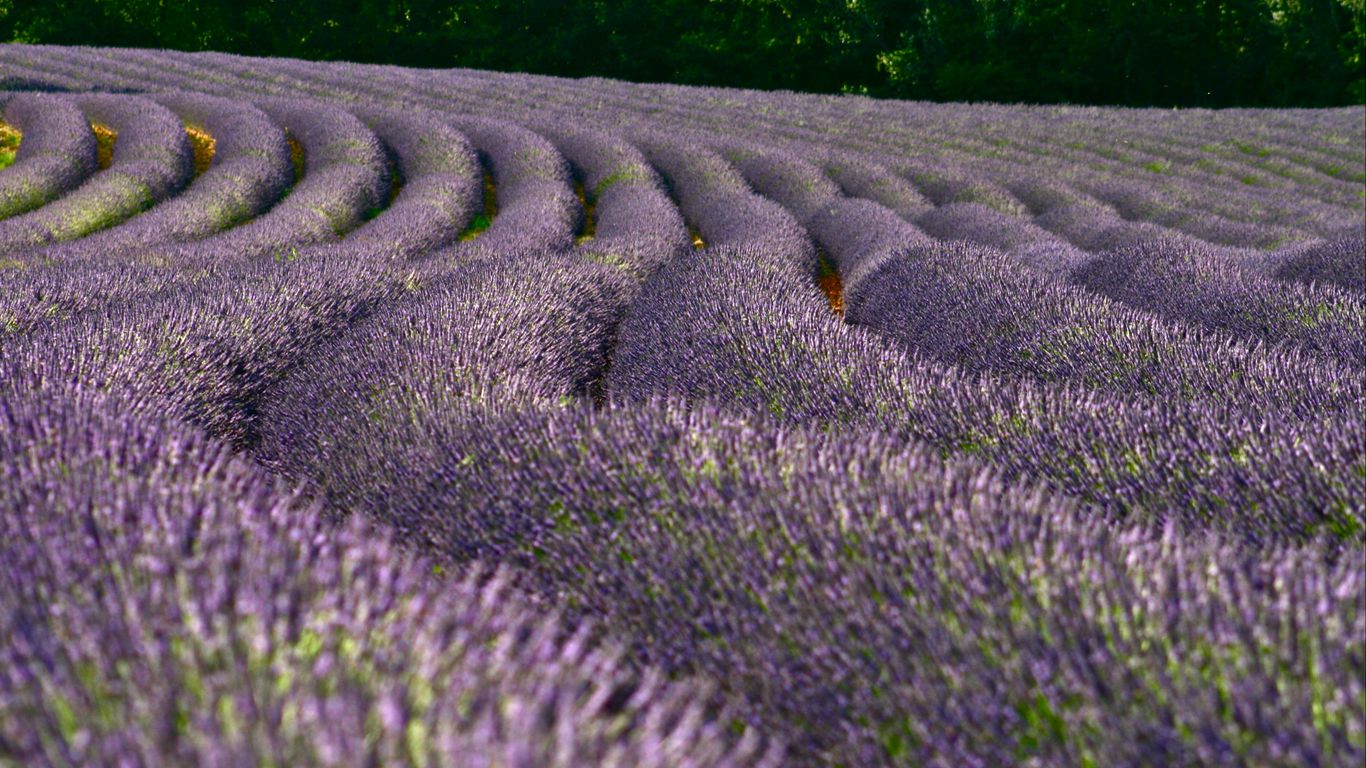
point(510, 88)
point(165, 602)
point(203, 349)
point(861, 178)
point(151, 160)
point(947, 183)
point(313, 74)
point(178, 274)
point(24, 73)
point(1233, 203)
point(1338, 261)
point(728, 325)
point(439, 172)
point(734, 120)
point(973, 208)
point(1191, 283)
point(537, 210)
point(40, 295)
point(56, 155)
point(859, 236)
point(878, 607)
point(346, 176)
point(1065, 218)
point(858, 233)
point(535, 327)
point(411, 84)
point(1078, 218)
point(785, 178)
point(1042, 193)
point(715, 199)
point(636, 225)
point(1254, 212)
point(1022, 239)
point(1097, 229)
point(1155, 188)
point(1134, 201)
point(42, 67)
point(974, 308)
point(958, 192)
point(250, 171)
point(1095, 225)
point(1164, 162)
point(679, 575)
point(1234, 212)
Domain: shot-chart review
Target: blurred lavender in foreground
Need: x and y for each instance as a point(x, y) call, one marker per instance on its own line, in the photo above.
point(167, 603)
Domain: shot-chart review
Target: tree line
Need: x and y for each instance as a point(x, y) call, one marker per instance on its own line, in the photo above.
point(1127, 52)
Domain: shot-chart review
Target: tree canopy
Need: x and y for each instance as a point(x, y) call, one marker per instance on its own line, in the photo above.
point(1129, 52)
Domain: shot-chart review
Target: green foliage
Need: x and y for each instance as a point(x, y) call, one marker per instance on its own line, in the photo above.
point(476, 228)
point(9, 145)
point(1132, 52)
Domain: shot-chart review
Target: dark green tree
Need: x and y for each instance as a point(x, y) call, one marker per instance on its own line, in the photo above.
point(1133, 52)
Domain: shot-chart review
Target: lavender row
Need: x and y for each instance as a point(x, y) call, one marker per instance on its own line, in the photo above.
point(165, 602)
point(946, 184)
point(43, 295)
point(441, 395)
point(434, 188)
point(687, 98)
point(480, 485)
point(328, 78)
point(1337, 261)
point(953, 186)
point(1082, 220)
point(864, 179)
point(1256, 169)
point(977, 209)
point(715, 200)
point(345, 179)
point(151, 161)
point(1003, 135)
point(1196, 284)
point(1182, 279)
point(249, 173)
point(202, 348)
point(55, 156)
point(530, 183)
point(1023, 240)
point(634, 225)
point(730, 326)
point(181, 273)
point(975, 308)
point(877, 607)
point(1134, 199)
point(339, 180)
point(534, 328)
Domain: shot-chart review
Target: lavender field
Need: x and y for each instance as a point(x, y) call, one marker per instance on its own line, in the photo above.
point(359, 415)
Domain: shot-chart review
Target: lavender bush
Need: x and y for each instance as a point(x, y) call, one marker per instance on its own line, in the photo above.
point(56, 154)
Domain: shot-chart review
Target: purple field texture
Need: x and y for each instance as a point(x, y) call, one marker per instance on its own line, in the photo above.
point(359, 415)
